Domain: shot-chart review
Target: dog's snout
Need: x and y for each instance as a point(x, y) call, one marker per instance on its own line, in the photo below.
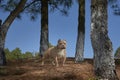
point(63, 46)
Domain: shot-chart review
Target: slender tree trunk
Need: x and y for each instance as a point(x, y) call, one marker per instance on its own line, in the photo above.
point(5, 26)
point(81, 32)
point(44, 42)
point(2, 54)
point(104, 65)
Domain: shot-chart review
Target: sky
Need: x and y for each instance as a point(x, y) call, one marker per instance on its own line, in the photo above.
point(25, 33)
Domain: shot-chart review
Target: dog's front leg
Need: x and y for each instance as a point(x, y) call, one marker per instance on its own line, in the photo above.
point(64, 61)
point(42, 61)
point(56, 60)
point(64, 57)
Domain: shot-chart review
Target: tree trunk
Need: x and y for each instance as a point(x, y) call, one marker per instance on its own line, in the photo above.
point(2, 54)
point(81, 32)
point(44, 42)
point(5, 26)
point(104, 65)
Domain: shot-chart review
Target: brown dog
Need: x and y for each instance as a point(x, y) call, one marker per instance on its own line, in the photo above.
point(56, 53)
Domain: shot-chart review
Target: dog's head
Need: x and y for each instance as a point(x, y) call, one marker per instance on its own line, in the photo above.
point(61, 44)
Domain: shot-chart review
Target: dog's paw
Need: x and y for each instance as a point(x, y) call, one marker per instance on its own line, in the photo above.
point(53, 63)
point(42, 63)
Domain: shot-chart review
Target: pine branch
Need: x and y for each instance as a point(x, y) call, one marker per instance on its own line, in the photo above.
point(30, 4)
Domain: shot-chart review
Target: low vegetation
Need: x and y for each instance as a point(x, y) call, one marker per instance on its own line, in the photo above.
point(17, 54)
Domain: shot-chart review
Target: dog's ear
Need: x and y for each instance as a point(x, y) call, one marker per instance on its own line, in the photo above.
point(64, 40)
point(59, 40)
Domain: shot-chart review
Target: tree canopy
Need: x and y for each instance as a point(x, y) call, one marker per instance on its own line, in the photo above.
point(117, 53)
point(16, 54)
point(115, 6)
point(32, 7)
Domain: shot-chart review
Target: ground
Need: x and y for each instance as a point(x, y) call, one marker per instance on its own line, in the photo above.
point(31, 69)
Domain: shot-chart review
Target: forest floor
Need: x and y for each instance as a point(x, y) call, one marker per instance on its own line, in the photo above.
point(32, 70)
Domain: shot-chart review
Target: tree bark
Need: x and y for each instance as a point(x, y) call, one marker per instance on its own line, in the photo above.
point(5, 26)
point(2, 54)
point(104, 66)
point(79, 55)
point(44, 42)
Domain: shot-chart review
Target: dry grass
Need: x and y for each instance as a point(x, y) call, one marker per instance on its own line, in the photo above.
point(32, 70)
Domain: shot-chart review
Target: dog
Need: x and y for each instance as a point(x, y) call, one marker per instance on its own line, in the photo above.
point(56, 53)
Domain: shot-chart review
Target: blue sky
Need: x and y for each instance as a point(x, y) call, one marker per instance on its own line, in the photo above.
point(25, 33)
